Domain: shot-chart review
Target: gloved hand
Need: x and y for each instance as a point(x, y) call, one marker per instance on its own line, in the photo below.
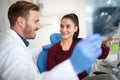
point(86, 52)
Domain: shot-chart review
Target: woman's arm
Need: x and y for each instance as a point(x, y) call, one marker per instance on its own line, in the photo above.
point(105, 47)
point(105, 51)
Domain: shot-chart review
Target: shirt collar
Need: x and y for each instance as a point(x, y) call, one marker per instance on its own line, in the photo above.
point(25, 41)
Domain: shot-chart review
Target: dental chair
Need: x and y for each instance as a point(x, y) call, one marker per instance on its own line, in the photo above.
point(42, 58)
point(101, 77)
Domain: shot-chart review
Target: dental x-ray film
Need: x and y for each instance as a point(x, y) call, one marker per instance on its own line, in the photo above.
point(106, 21)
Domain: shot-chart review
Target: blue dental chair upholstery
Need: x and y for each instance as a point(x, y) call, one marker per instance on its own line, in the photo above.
point(42, 58)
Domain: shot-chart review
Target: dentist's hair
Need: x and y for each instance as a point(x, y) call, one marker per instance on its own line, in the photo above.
point(20, 8)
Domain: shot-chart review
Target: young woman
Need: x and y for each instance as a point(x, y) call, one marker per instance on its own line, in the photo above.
point(69, 29)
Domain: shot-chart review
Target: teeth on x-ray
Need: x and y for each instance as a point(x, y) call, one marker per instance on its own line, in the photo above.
point(106, 21)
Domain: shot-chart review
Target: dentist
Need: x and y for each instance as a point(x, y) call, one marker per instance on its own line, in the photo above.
point(16, 61)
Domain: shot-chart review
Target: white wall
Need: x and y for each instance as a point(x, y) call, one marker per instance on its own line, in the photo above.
point(4, 24)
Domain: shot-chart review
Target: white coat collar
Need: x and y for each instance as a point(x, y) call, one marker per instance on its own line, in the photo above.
point(15, 36)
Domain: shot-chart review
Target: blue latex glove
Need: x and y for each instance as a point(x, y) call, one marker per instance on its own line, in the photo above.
point(86, 52)
point(88, 70)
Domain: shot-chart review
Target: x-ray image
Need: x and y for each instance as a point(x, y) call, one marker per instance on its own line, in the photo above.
point(106, 21)
point(103, 17)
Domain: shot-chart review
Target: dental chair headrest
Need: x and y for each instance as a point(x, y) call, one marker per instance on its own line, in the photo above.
point(55, 37)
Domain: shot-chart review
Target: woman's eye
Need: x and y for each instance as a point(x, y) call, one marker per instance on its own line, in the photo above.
point(68, 26)
point(61, 26)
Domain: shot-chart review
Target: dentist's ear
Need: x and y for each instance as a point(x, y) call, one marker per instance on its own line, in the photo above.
point(21, 22)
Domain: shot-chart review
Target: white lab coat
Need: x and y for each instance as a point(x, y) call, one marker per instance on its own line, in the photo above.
point(16, 62)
